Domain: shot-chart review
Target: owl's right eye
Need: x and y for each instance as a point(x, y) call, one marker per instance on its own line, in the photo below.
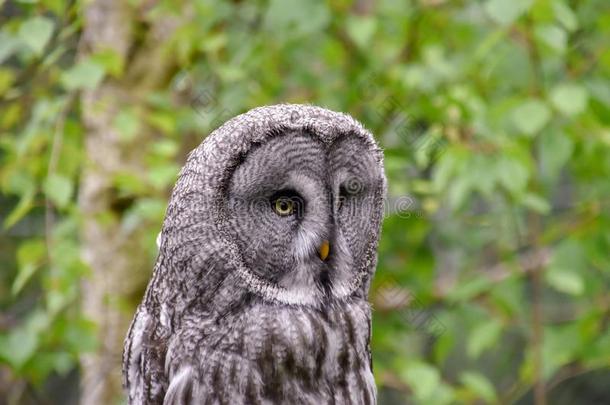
point(286, 203)
point(284, 206)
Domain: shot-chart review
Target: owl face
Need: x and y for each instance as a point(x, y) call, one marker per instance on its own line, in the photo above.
point(300, 212)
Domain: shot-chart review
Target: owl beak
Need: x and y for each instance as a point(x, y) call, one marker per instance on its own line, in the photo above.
point(324, 250)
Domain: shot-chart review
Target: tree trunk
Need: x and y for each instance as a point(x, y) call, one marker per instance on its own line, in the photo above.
point(118, 272)
point(106, 26)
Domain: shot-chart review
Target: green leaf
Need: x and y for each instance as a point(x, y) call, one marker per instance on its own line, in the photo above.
point(570, 99)
point(86, 74)
point(567, 264)
point(447, 167)
point(36, 32)
point(361, 30)
point(165, 148)
point(553, 36)
point(536, 203)
point(21, 342)
point(531, 116)
point(599, 90)
point(555, 149)
point(566, 281)
point(23, 207)
point(459, 191)
point(30, 256)
point(150, 208)
point(25, 273)
point(63, 362)
point(110, 60)
point(7, 77)
point(565, 15)
point(485, 179)
point(423, 379)
point(163, 175)
point(127, 124)
point(504, 12)
point(296, 18)
point(80, 336)
point(480, 385)
point(482, 337)
point(18, 347)
point(58, 189)
point(57, 300)
point(468, 289)
point(8, 46)
point(562, 342)
point(129, 183)
point(512, 174)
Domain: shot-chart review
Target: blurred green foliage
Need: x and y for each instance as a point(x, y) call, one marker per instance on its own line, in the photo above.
point(495, 120)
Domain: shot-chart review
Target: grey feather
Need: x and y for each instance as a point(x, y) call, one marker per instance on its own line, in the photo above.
point(241, 309)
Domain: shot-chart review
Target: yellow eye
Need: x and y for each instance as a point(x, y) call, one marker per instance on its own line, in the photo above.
point(283, 206)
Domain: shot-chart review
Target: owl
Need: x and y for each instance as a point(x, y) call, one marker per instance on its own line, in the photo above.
point(268, 247)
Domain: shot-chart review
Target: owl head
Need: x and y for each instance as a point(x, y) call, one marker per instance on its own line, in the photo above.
point(287, 199)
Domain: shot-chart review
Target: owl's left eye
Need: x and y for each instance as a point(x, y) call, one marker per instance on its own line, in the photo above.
point(286, 203)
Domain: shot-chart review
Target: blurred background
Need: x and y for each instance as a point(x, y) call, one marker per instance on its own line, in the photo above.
point(494, 268)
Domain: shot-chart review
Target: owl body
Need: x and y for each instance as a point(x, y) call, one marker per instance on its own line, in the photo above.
point(259, 293)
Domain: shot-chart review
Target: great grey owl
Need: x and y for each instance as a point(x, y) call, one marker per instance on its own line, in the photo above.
point(269, 244)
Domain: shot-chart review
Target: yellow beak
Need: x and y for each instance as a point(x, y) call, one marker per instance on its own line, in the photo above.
point(324, 250)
